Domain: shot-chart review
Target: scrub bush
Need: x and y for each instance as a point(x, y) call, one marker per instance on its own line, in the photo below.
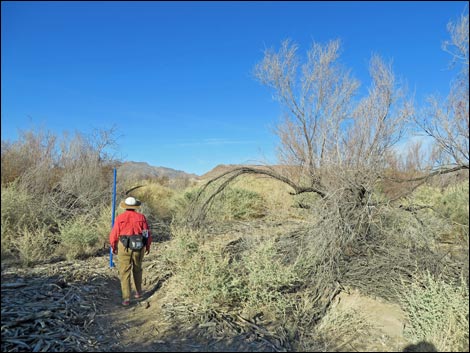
point(437, 312)
point(78, 237)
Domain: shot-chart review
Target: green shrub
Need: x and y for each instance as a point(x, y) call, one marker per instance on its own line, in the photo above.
point(182, 201)
point(277, 201)
point(253, 280)
point(204, 275)
point(438, 313)
point(238, 204)
point(268, 278)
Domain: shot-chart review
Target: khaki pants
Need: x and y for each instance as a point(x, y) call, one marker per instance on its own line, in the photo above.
point(130, 261)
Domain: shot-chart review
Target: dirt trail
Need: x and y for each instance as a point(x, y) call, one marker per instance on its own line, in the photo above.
point(144, 327)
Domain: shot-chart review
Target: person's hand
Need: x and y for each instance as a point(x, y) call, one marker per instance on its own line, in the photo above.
point(115, 251)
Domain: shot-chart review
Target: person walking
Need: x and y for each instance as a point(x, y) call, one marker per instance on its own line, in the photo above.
point(130, 238)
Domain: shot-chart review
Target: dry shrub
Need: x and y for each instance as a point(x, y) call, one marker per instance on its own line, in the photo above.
point(437, 311)
point(157, 199)
point(232, 203)
point(27, 225)
point(273, 192)
point(398, 245)
point(49, 186)
point(353, 238)
point(335, 331)
point(34, 246)
point(32, 149)
point(292, 277)
point(78, 237)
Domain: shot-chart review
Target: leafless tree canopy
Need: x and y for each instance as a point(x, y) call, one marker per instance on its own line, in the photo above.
point(446, 121)
point(332, 143)
point(318, 101)
point(336, 138)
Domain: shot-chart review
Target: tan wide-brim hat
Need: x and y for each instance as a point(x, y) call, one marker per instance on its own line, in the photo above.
point(131, 203)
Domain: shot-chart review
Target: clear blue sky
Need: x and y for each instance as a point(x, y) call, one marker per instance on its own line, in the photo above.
point(176, 77)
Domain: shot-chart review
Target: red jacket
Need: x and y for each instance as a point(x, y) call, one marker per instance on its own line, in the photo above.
point(128, 223)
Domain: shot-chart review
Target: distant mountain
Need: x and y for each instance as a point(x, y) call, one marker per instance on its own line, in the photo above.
point(218, 170)
point(142, 170)
point(222, 168)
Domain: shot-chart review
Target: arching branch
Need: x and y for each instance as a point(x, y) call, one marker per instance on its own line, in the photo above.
point(198, 209)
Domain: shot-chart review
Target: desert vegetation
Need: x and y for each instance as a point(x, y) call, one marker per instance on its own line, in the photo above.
point(272, 247)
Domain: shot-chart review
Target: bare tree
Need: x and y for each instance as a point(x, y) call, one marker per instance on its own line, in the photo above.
point(85, 164)
point(447, 121)
point(334, 140)
point(339, 146)
point(318, 101)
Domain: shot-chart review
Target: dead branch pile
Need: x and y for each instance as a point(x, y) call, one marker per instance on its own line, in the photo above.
point(380, 267)
point(53, 313)
point(219, 326)
point(375, 262)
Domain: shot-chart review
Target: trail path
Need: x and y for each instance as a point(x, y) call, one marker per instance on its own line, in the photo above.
point(145, 327)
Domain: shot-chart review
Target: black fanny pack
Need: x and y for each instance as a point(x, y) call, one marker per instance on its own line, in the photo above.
point(133, 242)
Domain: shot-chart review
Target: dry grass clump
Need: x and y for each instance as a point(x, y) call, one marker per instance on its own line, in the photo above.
point(336, 331)
point(78, 236)
point(27, 225)
point(275, 194)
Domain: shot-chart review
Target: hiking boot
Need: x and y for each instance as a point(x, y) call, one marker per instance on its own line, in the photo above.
point(126, 302)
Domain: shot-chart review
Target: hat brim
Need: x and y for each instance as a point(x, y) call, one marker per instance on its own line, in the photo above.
point(128, 207)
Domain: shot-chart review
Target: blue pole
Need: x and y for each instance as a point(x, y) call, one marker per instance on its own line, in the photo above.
point(111, 264)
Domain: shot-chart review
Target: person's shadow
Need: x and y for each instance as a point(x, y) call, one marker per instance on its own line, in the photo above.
point(422, 346)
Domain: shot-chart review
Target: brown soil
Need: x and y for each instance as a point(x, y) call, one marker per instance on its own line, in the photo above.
point(384, 321)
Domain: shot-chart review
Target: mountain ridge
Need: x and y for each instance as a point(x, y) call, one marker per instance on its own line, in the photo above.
point(143, 170)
